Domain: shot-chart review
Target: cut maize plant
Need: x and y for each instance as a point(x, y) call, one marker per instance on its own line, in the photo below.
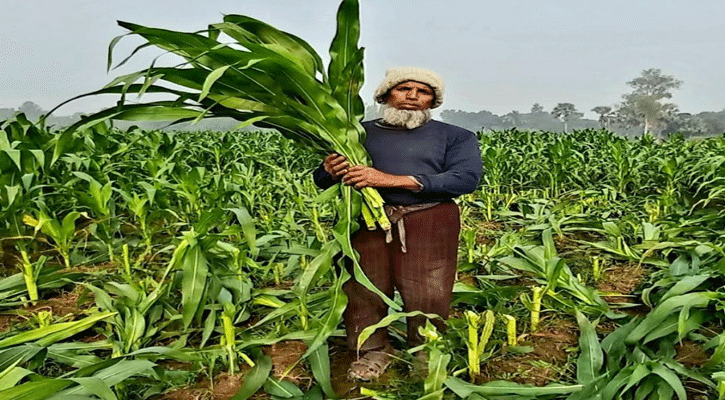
point(511, 338)
point(475, 344)
point(538, 295)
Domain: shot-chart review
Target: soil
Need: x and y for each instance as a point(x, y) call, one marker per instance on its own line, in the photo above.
point(691, 354)
point(225, 386)
point(545, 364)
point(486, 232)
point(67, 304)
point(621, 280)
point(285, 355)
point(398, 374)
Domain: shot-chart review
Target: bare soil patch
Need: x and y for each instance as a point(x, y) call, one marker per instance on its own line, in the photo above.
point(691, 354)
point(621, 280)
point(223, 387)
point(487, 232)
point(286, 354)
point(67, 304)
point(545, 364)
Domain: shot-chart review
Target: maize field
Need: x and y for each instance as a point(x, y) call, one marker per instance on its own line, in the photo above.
point(139, 264)
point(155, 265)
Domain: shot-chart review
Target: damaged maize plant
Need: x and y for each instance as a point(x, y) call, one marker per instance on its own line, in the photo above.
point(511, 338)
point(476, 344)
point(229, 338)
point(30, 274)
point(536, 306)
point(245, 69)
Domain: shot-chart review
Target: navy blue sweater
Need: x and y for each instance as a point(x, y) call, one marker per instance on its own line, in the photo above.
point(443, 157)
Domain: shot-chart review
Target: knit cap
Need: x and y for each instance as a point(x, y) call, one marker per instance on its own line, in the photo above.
point(395, 76)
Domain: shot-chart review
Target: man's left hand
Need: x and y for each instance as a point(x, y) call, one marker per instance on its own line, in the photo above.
point(361, 176)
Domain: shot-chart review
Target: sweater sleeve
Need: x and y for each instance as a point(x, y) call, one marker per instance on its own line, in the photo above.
point(322, 179)
point(462, 169)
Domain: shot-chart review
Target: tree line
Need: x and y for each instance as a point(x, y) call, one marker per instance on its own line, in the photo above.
point(645, 110)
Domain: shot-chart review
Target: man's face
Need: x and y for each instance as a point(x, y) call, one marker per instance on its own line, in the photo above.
point(411, 95)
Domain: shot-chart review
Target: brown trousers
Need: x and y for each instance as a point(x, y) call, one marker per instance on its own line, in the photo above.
point(423, 275)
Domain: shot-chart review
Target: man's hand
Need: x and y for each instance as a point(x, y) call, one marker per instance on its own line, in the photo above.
point(336, 165)
point(361, 176)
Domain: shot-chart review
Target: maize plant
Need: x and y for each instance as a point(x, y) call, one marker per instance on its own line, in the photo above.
point(511, 338)
point(477, 345)
point(268, 78)
point(538, 295)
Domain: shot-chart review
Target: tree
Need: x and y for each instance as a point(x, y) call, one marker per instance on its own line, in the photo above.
point(6, 113)
point(644, 106)
point(513, 120)
point(565, 112)
point(31, 110)
point(686, 124)
point(537, 109)
point(472, 121)
point(605, 115)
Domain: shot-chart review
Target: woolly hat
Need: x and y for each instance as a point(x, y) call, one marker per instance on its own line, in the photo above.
point(395, 76)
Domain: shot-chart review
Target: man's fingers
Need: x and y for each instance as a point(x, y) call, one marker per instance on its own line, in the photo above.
point(340, 167)
point(354, 179)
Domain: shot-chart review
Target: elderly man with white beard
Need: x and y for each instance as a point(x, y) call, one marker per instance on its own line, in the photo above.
point(418, 165)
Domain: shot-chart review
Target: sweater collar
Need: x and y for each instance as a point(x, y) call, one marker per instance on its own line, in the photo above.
point(381, 124)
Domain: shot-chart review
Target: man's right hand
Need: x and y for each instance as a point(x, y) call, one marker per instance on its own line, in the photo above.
point(336, 165)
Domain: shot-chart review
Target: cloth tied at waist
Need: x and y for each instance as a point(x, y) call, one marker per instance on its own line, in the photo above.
point(395, 215)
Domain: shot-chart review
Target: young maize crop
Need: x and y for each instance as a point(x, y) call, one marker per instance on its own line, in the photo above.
point(275, 81)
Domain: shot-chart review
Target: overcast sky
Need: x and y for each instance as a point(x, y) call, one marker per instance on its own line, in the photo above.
point(496, 55)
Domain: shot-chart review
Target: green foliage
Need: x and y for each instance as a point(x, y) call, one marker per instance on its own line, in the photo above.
point(178, 237)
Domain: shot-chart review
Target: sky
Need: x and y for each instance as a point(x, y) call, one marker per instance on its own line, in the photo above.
point(495, 55)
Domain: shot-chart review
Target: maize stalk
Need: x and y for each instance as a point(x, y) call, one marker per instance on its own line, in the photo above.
point(474, 321)
point(596, 268)
point(126, 261)
point(260, 75)
point(536, 307)
point(511, 330)
point(29, 277)
point(488, 321)
point(228, 340)
point(476, 345)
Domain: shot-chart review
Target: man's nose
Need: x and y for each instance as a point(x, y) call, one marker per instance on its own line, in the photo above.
point(413, 94)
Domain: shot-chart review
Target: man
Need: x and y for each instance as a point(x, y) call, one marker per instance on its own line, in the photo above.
point(419, 166)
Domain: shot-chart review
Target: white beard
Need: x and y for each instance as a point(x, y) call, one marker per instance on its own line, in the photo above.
point(410, 119)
